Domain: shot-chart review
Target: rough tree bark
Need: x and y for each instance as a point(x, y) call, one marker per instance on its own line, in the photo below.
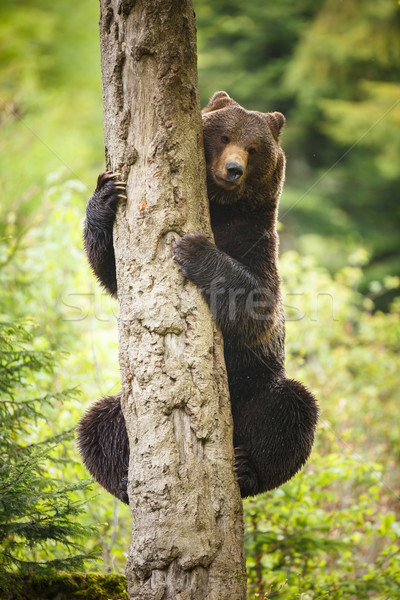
point(187, 540)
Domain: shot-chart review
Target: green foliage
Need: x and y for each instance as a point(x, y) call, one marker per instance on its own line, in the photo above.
point(343, 77)
point(323, 535)
point(38, 517)
point(47, 126)
point(45, 274)
point(245, 48)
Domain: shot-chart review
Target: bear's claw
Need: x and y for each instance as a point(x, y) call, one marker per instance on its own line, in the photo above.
point(123, 486)
point(109, 188)
point(246, 476)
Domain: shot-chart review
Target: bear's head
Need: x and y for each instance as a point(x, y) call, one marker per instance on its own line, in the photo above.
point(245, 163)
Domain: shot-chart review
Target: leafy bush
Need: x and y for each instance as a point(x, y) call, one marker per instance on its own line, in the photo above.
point(326, 534)
point(39, 529)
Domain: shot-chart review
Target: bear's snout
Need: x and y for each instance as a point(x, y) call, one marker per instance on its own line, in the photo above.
point(229, 169)
point(234, 171)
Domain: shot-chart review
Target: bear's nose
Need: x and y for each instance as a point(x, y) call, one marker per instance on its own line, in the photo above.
point(234, 170)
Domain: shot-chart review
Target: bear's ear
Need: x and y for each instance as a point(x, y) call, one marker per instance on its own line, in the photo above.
point(276, 121)
point(219, 100)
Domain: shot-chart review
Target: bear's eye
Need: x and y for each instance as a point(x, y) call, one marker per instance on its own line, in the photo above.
point(252, 150)
point(224, 139)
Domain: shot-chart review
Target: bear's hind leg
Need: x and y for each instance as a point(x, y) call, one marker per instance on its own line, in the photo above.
point(273, 431)
point(104, 445)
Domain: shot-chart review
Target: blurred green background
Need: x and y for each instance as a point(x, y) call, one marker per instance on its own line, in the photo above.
point(332, 67)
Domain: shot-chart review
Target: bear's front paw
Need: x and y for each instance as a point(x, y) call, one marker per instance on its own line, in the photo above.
point(190, 251)
point(110, 188)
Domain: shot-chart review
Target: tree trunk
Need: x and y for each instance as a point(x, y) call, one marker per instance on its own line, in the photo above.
point(187, 540)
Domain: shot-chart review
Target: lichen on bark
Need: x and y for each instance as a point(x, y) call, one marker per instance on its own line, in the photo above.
point(187, 531)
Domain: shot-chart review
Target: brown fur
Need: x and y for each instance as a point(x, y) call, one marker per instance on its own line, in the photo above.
point(274, 417)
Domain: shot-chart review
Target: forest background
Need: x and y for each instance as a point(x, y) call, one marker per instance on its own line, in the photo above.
point(332, 68)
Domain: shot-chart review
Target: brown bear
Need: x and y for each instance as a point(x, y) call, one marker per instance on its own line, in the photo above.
point(274, 417)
